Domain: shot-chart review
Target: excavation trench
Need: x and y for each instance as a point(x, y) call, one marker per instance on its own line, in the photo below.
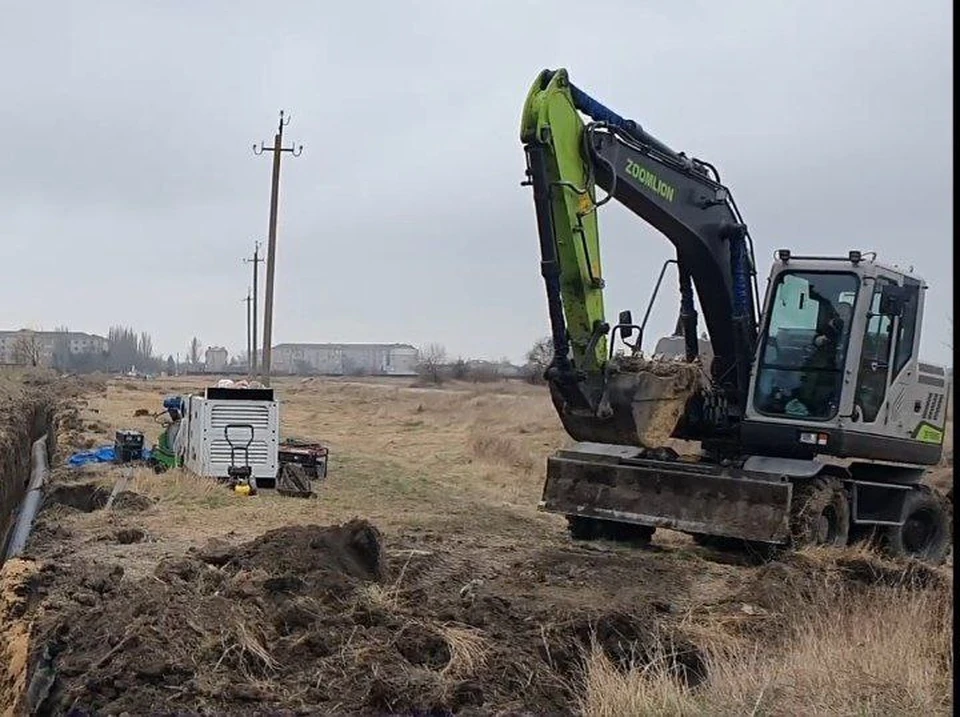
point(27, 440)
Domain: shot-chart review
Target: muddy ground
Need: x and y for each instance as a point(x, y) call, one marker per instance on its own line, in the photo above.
point(389, 594)
point(342, 619)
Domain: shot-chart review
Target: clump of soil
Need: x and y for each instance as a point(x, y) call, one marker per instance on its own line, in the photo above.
point(660, 390)
point(352, 550)
point(800, 580)
point(684, 373)
point(126, 536)
point(130, 502)
point(85, 497)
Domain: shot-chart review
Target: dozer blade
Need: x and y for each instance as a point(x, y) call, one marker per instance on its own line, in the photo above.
point(612, 483)
point(641, 403)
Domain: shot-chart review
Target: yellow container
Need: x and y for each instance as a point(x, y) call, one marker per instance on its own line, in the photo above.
point(242, 488)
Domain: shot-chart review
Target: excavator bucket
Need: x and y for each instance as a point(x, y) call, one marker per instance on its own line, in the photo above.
point(641, 403)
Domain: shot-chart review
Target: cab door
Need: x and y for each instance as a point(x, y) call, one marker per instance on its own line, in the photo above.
point(885, 354)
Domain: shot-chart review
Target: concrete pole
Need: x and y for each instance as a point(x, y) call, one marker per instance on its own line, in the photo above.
point(271, 256)
point(277, 150)
point(248, 301)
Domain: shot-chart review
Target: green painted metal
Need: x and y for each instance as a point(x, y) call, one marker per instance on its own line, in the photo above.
point(163, 453)
point(550, 118)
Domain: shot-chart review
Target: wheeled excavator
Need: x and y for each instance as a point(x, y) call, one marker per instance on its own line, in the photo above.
point(813, 421)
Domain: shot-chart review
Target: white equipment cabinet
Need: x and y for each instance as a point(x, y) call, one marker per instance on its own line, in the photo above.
point(235, 413)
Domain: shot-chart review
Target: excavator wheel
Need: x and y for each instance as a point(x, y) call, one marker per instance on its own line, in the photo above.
point(926, 533)
point(584, 528)
point(716, 542)
point(820, 514)
point(719, 543)
point(749, 549)
point(629, 533)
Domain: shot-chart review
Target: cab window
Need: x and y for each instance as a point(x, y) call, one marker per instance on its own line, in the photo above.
point(804, 347)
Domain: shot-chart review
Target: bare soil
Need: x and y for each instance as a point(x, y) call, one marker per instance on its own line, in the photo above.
point(421, 580)
point(336, 620)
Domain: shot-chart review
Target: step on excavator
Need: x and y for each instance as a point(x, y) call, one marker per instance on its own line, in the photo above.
point(814, 421)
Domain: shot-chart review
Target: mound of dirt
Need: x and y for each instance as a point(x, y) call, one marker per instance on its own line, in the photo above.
point(352, 550)
point(778, 593)
point(799, 579)
point(314, 620)
point(128, 501)
point(85, 497)
point(233, 639)
point(686, 374)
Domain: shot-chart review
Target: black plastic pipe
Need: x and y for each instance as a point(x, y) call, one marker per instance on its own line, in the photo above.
point(31, 501)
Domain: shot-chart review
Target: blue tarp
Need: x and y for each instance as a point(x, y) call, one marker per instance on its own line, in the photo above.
point(104, 454)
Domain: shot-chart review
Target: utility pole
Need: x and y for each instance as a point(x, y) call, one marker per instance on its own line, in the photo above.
point(249, 337)
point(256, 261)
point(277, 150)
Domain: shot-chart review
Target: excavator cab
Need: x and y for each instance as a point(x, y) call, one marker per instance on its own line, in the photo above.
point(838, 357)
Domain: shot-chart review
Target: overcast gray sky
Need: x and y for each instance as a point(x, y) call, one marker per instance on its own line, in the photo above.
point(129, 192)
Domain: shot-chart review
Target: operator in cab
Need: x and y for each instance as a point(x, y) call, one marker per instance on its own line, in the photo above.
point(818, 392)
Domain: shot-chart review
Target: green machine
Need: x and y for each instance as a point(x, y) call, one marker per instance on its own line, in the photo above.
point(164, 455)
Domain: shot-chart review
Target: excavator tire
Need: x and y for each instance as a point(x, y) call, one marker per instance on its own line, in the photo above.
point(584, 528)
point(749, 549)
point(716, 542)
point(820, 514)
point(926, 533)
point(629, 533)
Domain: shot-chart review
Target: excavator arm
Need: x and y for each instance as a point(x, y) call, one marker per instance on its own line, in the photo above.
point(564, 194)
point(567, 160)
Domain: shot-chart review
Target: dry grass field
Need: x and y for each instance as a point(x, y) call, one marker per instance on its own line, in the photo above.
point(472, 603)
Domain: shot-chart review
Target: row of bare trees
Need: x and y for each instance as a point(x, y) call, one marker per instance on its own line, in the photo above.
point(127, 349)
point(434, 367)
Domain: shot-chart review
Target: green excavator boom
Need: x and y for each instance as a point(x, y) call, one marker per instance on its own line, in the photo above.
point(552, 124)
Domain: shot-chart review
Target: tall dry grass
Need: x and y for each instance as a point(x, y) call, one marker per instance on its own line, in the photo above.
point(883, 652)
point(178, 487)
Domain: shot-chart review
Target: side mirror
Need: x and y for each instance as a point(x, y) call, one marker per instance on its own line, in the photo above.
point(626, 324)
point(891, 300)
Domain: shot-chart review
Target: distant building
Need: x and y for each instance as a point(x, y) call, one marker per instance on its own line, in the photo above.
point(345, 359)
point(216, 359)
point(40, 348)
point(500, 369)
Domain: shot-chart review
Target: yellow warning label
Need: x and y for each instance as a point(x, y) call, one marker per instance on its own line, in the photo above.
point(926, 433)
